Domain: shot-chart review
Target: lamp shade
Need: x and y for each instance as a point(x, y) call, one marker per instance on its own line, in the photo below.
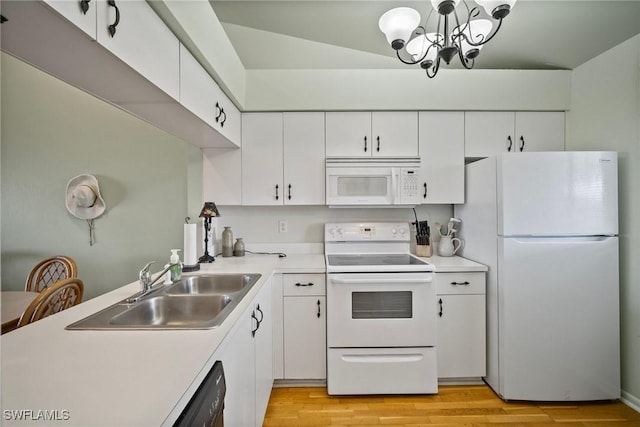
point(444, 7)
point(398, 24)
point(476, 31)
point(497, 8)
point(209, 210)
point(426, 46)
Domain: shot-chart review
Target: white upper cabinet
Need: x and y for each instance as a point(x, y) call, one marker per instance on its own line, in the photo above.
point(540, 131)
point(304, 166)
point(377, 134)
point(394, 134)
point(490, 133)
point(227, 118)
point(441, 157)
point(283, 159)
point(133, 32)
point(262, 159)
point(348, 134)
point(81, 13)
point(197, 88)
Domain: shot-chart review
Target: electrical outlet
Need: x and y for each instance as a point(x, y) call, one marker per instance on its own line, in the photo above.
point(282, 226)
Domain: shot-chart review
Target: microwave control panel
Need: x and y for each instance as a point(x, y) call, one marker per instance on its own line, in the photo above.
point(409, 185)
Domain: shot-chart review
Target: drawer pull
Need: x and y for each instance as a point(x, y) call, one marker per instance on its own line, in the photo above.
point(460, 283)
point(304, 284)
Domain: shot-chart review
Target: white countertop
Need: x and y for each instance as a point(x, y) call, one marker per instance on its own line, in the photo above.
point(450, 264)
point(123, 378)
point(128, 378)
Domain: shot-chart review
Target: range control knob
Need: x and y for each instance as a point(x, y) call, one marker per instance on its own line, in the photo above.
point(403, 231)
point(393, 231)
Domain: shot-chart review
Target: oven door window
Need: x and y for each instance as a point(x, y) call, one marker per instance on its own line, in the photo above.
point(381, 305)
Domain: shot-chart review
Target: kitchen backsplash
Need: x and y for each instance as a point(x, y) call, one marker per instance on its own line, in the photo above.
point(305, 224)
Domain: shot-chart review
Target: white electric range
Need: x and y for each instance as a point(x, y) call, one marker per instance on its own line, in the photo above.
point(381, 311)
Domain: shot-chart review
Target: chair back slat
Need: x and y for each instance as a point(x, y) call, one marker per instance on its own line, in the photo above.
point(50, 271)
point(54, 299)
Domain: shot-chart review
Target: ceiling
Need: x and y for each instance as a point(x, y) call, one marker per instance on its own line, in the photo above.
point(335, 34)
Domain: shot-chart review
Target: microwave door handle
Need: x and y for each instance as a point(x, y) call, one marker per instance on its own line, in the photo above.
point(349, 281)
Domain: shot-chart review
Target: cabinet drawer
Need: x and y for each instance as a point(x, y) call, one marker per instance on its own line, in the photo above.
point(460, 283)
point(303, 284)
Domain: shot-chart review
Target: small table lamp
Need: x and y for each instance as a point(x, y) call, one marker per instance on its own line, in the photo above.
point(209, 210)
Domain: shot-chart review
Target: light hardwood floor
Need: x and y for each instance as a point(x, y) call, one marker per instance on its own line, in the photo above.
point(452, 406)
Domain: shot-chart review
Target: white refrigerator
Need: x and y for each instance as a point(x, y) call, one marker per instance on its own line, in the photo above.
point(546, 224)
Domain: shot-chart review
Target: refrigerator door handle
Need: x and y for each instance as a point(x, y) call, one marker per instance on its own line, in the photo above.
point(560, 239)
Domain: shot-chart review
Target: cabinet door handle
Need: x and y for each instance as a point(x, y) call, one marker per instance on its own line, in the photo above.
point(253, 316)
point(510, 143)
point(465, 283)
point(521, 143)
point(378, 147)
point(112, 27)
point(425, 191)
point(289, 196)
point(304, 284)
point(261, 315)
point(318, 314)
point(277, 196)
point(440, 304)
point(365, 144)
point(84, 6)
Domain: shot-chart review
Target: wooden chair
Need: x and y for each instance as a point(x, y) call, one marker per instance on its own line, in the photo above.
point(55, 298)
point(50, 271)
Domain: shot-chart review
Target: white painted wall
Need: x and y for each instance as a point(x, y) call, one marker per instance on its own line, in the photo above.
point(605, 115)
point(52, 132)
point(409, 89)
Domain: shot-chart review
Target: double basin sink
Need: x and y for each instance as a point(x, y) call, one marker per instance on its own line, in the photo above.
point(194, 302)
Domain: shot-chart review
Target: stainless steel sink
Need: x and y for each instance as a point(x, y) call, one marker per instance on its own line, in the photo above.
point(173, 311)
point(195, 302)
point(212, 285)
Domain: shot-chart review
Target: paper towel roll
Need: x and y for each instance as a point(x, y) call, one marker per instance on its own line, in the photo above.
point(190, 251)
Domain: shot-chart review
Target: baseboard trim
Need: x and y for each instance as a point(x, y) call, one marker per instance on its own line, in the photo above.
point(299, 383)
point(630, 400)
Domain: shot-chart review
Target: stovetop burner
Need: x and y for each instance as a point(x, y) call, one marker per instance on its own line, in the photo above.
point(373, 260)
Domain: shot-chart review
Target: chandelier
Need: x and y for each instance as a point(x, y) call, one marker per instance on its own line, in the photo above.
point(428, 48)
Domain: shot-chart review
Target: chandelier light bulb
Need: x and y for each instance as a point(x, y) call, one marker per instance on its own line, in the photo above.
point(424, 48)
point(497, 9)
point(398, 24)
point(475, 31)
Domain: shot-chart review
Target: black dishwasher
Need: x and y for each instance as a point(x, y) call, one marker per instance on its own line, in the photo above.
point(207, 404)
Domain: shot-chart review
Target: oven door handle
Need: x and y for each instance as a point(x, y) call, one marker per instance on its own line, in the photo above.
point(349, 281)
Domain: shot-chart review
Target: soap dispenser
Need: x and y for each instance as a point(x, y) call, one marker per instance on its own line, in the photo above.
point(176, 270)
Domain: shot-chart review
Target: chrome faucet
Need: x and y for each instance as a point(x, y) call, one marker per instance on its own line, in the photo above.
point(146, 283)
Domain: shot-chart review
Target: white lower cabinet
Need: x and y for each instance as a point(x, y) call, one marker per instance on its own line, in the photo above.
point(247, 359)
point(461, 325)
point(304, 322)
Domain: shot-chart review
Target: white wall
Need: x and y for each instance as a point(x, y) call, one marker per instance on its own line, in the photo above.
point(52, 132)
point(605, 115)
point(410, 89)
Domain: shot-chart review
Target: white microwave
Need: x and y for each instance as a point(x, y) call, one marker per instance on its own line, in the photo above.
point(372, 182)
